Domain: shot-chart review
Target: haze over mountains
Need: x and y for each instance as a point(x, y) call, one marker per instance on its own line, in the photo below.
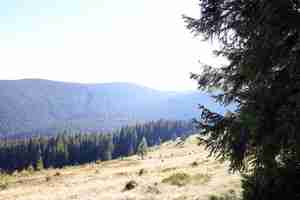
point(36, 106)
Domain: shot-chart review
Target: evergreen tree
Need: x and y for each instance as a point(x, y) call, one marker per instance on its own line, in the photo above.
point(108, 148)
point(30, 168)
point(261, 42)
point(159, 141)
point(142, 148)
point(39, 164)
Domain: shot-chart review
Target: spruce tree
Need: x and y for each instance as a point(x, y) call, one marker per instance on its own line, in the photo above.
point(39, 164)
point(142, 148)
point(261, 41)
point(108, 147)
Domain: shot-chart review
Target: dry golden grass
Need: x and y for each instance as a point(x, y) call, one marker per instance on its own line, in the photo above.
point(106, 180)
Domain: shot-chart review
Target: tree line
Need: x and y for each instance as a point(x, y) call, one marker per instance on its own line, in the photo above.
point(69, 148)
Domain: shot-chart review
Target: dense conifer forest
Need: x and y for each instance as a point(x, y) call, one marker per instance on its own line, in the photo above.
point(79, 148)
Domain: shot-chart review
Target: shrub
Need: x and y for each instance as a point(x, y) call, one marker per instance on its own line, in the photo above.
point(122, 173)
point(194, 164)
point(48, 178)
point(168, 169)
point(231, 195)
point(25, 173)
point(214, 197)
point(181, 198)
point(181, 179)
point(153, 190)
point(201, 178)
point(178, 179)
point(98, 162)
point(30, 169)
point(142, 171)
point(3, 185)
point(57, 174)
point(130, 185)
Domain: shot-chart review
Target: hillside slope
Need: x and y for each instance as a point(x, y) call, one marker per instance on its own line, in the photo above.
point(40, 106)
point(202, 178)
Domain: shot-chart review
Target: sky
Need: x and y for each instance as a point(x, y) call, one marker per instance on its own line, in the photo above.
point(96, 41)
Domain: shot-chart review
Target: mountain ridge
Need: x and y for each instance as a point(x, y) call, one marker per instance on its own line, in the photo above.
point(38, 105)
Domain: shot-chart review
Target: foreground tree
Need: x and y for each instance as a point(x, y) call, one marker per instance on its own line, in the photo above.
point(260, 39)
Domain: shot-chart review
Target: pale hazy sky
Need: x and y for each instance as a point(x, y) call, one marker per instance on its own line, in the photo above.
point(95, 41)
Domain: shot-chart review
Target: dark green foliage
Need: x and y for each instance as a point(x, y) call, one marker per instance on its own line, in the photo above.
point(261, 41)
point(72, 149)
point(280, 183)
point(142, 148)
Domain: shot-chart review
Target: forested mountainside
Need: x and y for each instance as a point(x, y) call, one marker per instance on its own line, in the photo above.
point(35, 106)
point(71, 148)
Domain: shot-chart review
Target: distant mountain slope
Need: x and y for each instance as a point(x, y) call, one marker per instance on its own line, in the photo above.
point(40, 106)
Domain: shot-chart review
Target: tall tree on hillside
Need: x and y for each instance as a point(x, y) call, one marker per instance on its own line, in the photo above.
point(260, 39)
point(39, 163)
point(142, 148)
point(108, 147)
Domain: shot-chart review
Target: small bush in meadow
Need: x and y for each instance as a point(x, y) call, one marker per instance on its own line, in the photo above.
point(231, 195)
point(142, 172)
point(178, 179)
point(195, 164)
point(30, 169)
point(201, 178)
point(57, 174)
point(98, 162)
point(168, 169)
point(130, 185)
point(182, 179)
point(3, 185)
point(48, 178)
point(153, 190)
